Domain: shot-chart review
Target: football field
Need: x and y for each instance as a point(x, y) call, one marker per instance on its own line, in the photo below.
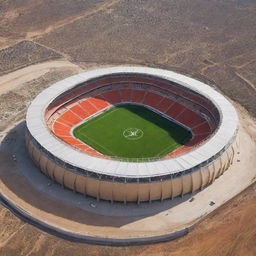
point(132, 131)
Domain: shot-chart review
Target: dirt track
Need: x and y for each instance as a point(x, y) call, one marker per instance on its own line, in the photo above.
point(213, 40)
point(15, 79)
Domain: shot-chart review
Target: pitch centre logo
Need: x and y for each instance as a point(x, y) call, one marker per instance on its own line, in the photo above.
point(133, 133)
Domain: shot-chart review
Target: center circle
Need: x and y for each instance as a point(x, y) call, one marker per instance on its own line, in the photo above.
point(133, 133)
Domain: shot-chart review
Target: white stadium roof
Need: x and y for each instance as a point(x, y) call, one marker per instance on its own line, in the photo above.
point(222, 137)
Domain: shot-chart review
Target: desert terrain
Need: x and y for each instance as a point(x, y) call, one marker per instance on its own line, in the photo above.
point(43, 41)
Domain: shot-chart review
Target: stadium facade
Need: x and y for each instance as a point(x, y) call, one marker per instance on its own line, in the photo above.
point(56, 111)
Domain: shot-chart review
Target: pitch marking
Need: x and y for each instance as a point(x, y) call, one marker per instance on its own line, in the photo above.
point(133, 133)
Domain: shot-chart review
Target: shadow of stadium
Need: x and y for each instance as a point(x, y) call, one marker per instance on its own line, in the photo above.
point(23, 178)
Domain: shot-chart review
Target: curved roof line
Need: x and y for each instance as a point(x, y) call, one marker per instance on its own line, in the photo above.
point(204, 153)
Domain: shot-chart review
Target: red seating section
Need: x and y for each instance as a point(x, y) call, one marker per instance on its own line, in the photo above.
point(165, 104)
point(189, 118)
point(203, 128)
point(138, 95)
point(62, 116)
point(113, 97)
point(152, 99)
point(125, 95)
point(175, 110)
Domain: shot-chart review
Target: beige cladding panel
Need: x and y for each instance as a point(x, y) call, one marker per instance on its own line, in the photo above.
point(43, 163)
point(50, 167)
point(36, 155)
point(81, 184)
point(70, 179)
point(186, 184)
point(205, 176)
point(177, 187)
point(132, 192)
point(223, 165)
point(226, 158)
point(234, 150)
point(59, 173)
point(92, 187)
point(196, 180)
point(121, 190)
point(231, 155)
point(211, 172)
point(215, 170)
point(167, 189)
point(218, 167)
point(106, 190)
point(155, 190)
point(231, 152)
point(143, 192)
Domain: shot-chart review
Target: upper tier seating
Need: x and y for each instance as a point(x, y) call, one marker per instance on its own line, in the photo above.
point(190, 110)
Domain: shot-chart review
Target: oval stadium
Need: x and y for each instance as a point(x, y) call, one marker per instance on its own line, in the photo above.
point(132, 134)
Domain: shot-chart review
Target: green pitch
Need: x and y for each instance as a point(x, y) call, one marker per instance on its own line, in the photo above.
point(132, 131)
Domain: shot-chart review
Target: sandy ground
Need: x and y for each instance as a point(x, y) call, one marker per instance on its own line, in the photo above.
point(15, 79)
point(211, 40)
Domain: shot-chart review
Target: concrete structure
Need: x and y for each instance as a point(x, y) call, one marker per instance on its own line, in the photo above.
point(95, 175)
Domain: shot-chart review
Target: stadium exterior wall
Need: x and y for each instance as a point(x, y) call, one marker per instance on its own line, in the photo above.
point(136, 192)
point(105, 178)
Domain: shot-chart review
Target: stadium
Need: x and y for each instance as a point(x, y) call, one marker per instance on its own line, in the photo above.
point(132, 134)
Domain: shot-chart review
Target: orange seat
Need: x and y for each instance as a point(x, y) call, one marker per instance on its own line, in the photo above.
point(62, 133)
point(78, 110)
point(60, 126)
point(178, 151)
point(99, 102)
point(71, 117)
point(55, 116)
point(83, 147)
point(88, 107)
point(93, 152)
point(63, 121)
point(70, 140)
